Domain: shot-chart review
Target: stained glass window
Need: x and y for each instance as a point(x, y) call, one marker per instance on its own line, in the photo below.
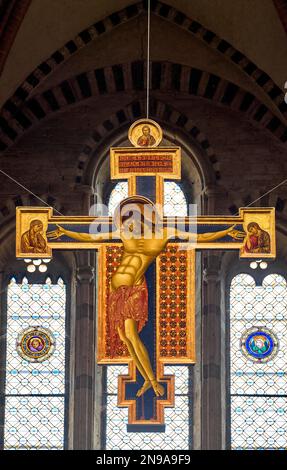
point(119, 193)
point(174, 198)
point(35, 394)
point(177, 419)
point(258, 362)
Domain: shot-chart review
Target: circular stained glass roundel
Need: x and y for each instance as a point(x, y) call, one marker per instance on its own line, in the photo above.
point(259, 344)
point(35, 344)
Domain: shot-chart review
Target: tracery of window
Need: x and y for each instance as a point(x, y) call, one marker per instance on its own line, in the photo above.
point(35, 392)
point(178, 420)
point(258, 363)
point(174, 198)
point(119, 192)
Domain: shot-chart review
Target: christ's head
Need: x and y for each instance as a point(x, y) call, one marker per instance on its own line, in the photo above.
point(136, 216)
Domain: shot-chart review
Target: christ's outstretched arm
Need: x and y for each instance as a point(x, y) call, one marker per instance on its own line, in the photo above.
point(82, 237)
point(208, 236)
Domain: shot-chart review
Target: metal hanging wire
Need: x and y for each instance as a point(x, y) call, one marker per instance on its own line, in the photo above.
point(28, 190)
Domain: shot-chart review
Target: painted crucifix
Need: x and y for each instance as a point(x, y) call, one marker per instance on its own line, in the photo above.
point(146, 280)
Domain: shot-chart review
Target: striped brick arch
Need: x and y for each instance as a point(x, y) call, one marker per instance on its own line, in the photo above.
point(165, 77)
point(12, 108)
point(161, 112)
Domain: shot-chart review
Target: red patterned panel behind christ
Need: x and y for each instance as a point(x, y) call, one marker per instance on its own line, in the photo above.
point(113, 258)
point(173, 303)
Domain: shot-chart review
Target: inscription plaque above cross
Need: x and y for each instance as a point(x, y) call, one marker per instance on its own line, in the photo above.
point(146, 269)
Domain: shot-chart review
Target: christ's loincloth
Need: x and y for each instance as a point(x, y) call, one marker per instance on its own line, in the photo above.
point(123, 303)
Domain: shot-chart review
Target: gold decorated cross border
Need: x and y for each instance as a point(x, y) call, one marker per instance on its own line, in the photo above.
point(265, 217)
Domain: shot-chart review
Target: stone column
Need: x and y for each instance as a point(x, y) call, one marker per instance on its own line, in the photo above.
point(211, 355)
point(87, 375)
point(196, 369)
point(211, 399)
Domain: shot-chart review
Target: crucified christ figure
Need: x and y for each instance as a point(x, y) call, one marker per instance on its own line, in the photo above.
point(143, 240)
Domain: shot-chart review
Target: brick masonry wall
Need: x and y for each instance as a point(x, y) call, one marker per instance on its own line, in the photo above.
point(281, 6)
point(12, 13)
point(249, 159)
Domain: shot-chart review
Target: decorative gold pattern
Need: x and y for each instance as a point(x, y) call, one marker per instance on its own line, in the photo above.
point(176, 305)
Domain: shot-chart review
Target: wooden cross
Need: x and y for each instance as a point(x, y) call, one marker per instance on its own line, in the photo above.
point(166, 288)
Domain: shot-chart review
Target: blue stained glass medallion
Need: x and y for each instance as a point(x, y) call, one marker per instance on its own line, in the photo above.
point(259, 344)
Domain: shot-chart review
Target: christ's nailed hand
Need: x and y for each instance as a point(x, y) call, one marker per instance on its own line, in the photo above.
point(54, 234)
point(236, 234)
